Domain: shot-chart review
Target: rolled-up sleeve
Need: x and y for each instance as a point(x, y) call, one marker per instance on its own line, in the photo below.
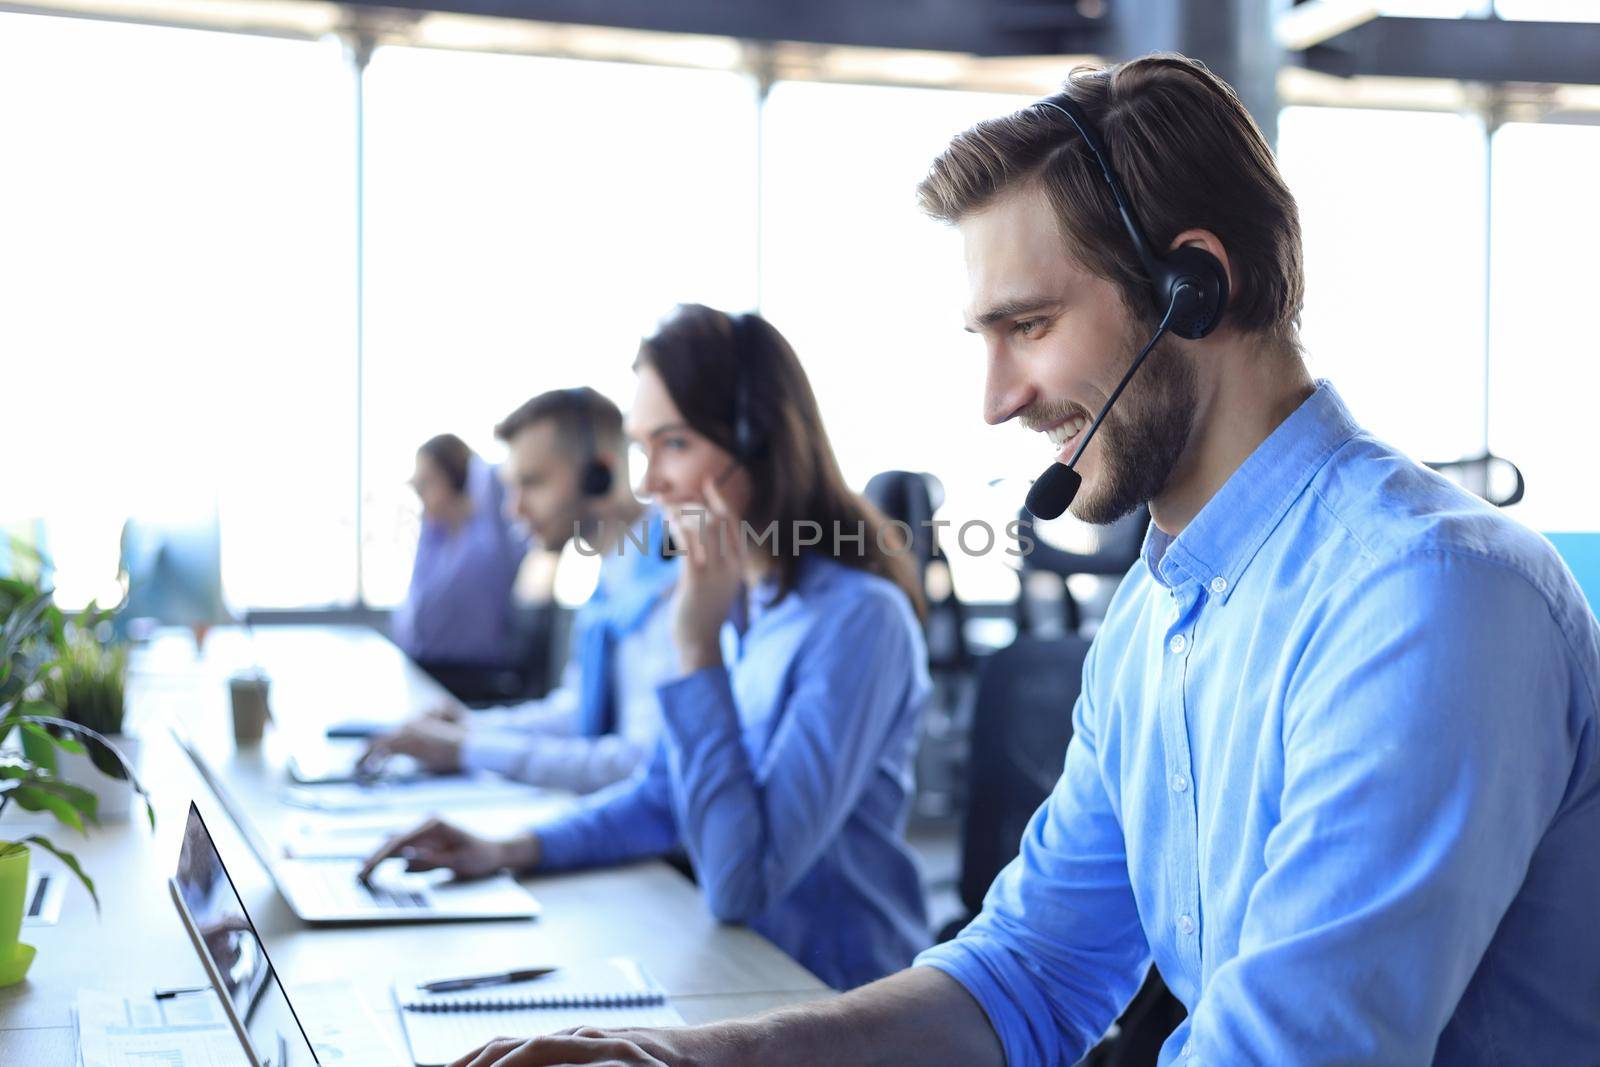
point(1058, 949)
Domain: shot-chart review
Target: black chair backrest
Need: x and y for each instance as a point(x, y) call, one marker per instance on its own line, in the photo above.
point(913, 498)
point(1495, 478)
point(1021, 724)
point(1116, 547)
point(909, 497)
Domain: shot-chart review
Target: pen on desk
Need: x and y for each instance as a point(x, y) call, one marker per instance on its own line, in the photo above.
point(168, 994)
point(449, 985)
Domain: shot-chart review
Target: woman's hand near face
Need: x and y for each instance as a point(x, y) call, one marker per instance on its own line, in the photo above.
point(713, 574)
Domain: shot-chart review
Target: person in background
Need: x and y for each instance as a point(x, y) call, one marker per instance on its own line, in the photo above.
point(790, 726)
point(567, 474)
point(455, 621)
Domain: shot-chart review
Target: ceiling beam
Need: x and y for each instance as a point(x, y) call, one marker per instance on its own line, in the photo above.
point(1492, 51)
point(1309, 24)
point(987, 27)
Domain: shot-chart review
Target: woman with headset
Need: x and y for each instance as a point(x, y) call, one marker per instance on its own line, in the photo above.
point(784, 767)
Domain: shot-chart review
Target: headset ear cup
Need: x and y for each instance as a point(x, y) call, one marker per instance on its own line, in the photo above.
point(1196, 278)
point(596, 478)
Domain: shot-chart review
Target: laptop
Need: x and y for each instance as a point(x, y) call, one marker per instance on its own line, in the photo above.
point(269, 1028)
point(326, 890)
point(339, 763)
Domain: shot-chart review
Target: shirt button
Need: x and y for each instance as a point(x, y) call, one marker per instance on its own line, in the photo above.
point(1185, 924)
point(1219, 584)
point(1178, 643)
point(1180, 783)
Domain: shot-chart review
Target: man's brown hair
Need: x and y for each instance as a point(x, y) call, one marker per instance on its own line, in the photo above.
point(584, 420)
point(1190, 157)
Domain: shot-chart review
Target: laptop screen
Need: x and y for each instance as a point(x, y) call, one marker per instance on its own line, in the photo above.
point(229, 939)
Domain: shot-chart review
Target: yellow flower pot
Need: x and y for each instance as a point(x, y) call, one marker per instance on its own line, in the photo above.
point(14, 955)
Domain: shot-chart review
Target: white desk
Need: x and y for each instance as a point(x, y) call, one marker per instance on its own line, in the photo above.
point(647, 911)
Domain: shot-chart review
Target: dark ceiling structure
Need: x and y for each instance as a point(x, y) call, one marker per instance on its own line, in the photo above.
point(1236, 38)
point(1487, 50)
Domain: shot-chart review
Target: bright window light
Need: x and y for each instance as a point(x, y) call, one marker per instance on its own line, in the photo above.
point(1392, 216)
point(1545, 363)
point(528, 221)
point(871, 293)
point(177, 214)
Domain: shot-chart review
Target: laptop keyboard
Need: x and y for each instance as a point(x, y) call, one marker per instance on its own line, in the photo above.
point(337, 890)
point(395, 898)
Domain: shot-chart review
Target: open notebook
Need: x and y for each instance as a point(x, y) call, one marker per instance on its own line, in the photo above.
point(616, 992)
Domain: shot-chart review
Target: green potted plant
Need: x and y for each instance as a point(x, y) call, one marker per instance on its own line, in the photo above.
point(32, 635)
point(85, 686)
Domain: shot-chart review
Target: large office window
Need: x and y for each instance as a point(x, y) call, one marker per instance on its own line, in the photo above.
point(1544, 359)
point(872, 293)
point(176, 237)
point(178, 254)
point(1392, 215)
point(527, 222)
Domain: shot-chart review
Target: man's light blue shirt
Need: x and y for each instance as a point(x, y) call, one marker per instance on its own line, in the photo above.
point(601, 722)
point(787, 777)
point(1334, 771)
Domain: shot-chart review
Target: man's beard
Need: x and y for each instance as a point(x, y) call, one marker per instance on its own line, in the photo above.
point(1143, 435)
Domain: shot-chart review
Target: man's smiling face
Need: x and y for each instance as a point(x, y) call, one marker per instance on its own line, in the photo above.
point(1058, 339)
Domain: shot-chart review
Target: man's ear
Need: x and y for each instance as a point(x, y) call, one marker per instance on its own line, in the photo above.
point(1209, 241)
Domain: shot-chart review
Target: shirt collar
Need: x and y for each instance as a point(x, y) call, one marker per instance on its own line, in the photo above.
point(1219, 543)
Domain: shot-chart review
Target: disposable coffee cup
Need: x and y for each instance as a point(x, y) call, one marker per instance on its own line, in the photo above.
point(248, 690)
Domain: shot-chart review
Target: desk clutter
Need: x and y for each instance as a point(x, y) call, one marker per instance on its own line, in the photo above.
point(621, 941)
point(120, 1029)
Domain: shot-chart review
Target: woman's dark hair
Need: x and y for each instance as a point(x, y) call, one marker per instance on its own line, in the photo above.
point(452, 456)
point(719, 372)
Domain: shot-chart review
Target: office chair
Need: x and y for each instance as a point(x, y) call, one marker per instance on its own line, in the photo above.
point(1115, 548)
point(913, 498)
point(1021, 723)
point(1494, 478)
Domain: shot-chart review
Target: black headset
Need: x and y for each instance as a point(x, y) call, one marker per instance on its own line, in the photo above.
point(595, 479)
point(746, 445)
point(1188, 283)
point(1190, 290)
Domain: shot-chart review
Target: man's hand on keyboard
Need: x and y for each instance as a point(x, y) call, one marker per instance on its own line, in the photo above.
point(437, 844)
point(431, 740)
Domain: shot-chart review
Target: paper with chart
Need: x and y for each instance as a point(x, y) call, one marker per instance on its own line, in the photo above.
point(115, 1030)
point(118, 1030)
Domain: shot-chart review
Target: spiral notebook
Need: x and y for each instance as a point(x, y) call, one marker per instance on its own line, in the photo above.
point(608, 993)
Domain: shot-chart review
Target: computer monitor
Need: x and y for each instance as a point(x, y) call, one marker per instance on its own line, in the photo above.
point(234, 956)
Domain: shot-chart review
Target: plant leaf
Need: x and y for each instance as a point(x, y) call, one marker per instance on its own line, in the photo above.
point(68, 744)
point(85, 800)
point(72, 864)
point(33, 797)
point(95, 735)
point(22, 625)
